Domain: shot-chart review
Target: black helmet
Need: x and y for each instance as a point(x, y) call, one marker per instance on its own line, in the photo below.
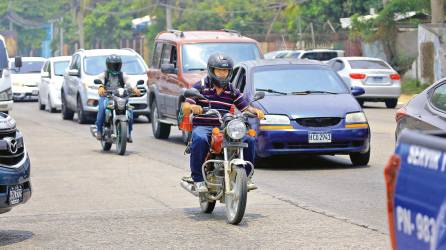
point(220, 61)
point(114, 64)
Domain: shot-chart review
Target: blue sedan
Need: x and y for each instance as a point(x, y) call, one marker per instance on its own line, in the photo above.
point(309, 109)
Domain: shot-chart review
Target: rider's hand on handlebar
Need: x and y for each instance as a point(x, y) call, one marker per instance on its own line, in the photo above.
point(137, 92)
point(102, 91)
point(260, 114)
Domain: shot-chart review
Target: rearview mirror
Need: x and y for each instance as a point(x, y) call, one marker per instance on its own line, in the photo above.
point(258, 96)
point(193, 93)
point(18, 62)
point(168, 68)
point(140, 82)
point(45, 75)
point(357, 91)
point(73, 72)
point(97, 82)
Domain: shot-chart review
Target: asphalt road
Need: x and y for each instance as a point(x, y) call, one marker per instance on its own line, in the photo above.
point(84, 198)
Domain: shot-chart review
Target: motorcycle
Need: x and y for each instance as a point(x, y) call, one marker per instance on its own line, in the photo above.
point(116, 120)
point(224, 168)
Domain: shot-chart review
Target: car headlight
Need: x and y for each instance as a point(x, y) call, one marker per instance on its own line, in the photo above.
point(357, 117)
point(275, 120)
point(8, 123)
point(236, 129)
point(6, 95)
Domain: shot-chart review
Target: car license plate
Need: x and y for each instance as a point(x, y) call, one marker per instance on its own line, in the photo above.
point(319, 137)
point(35, 92)
point(15, 194)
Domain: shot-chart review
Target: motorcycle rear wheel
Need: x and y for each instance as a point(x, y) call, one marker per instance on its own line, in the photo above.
point(121, 137)
point(236, 202)
point(206, 206)
point(106, 146)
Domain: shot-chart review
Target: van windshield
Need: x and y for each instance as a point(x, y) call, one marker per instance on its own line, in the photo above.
point(3, 56)
point(195, 56)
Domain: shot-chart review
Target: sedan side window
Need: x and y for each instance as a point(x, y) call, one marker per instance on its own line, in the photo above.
point(438, 98)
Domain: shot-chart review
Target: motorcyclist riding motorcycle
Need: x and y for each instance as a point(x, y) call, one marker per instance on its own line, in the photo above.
point(113, 78)
point(222, 96)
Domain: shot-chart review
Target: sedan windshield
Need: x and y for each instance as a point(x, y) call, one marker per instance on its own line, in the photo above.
point(59, 67)
point(303, 80)
point(28, 67)
point(195, 56)
point(131, 65)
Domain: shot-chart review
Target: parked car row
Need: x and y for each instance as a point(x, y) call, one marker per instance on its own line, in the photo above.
point(380, 81)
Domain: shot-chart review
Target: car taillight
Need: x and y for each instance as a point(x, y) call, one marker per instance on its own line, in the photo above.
point(358, 76)
point(400, 114)
point(395, 77)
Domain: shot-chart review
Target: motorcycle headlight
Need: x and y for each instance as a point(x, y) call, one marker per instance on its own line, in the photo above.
point(275, 120)
point(236, 129)
point(121, 103)
point(357, 117)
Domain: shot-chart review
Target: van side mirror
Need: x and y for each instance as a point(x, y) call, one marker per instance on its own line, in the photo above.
point(97, 82)
point(258, 96)
point(140, 82)
point(168, 68)
point(193, 93)
point(45, 74)
point(18, 62)
point(73, 72)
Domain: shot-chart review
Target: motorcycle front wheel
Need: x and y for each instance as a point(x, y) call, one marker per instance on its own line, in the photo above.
point(236, 201)
point(121, 137)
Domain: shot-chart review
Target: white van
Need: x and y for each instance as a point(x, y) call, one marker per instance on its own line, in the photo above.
point(5, 79)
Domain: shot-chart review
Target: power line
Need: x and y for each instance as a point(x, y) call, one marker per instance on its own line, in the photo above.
point(220, 12)
point(120, 13)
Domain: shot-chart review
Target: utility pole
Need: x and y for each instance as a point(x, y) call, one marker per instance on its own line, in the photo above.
point(168, 15)
point(80, 11)
point(437, 7)
point(61, 52)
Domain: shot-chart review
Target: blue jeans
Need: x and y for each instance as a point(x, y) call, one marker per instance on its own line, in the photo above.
point(100, 118)
point(200, 148)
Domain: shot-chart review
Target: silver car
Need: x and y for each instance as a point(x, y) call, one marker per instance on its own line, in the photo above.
point(51, 83)
point(80, 94)
point(380, 81)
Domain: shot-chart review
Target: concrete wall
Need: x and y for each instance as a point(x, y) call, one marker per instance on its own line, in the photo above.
point(407, 43)
point(434, 34)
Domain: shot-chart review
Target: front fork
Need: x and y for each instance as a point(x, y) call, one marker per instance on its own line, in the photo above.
point(228, 169)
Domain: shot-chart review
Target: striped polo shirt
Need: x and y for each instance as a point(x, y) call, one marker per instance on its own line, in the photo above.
point(223, 102)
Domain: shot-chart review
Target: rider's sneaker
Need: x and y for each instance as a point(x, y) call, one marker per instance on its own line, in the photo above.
point(98, 136)
point(129, 139)
point(251, 185)
point(200, 187)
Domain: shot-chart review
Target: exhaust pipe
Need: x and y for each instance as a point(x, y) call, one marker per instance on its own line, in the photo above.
point(93, 130)
point(189, 187)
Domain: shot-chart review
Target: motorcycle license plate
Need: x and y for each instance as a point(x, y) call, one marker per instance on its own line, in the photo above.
point(319, 137)
point(15, 194)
